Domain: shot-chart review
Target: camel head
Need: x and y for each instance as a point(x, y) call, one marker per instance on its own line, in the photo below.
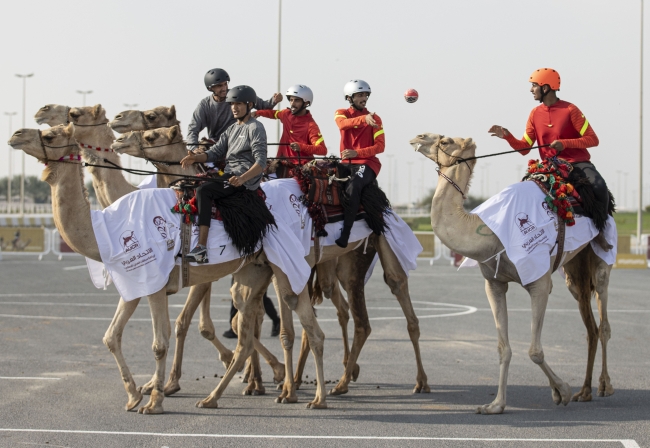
point(445, 151)
point(136, 120)
point(53, 143)
point(157, 144)
point(52, 115)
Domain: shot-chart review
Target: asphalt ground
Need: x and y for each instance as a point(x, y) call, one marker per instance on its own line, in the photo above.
point(52, 321)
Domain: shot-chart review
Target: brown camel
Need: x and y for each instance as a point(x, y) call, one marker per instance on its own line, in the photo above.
point(351, 268)
point(71, 212)
point(137, 120)
point(464, 233)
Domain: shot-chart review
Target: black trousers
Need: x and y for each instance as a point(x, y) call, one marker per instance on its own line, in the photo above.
point(211, 191)
point(600, 187)
point(362, 175)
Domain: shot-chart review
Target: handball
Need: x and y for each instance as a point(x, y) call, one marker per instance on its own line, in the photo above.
point(411, 96)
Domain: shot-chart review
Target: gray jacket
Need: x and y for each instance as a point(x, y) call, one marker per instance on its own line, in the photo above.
point(243, 145)
point(217, 117)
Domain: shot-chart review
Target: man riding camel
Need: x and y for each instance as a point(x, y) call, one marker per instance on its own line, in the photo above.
point(299, 129)
point(560, 125)
point(243, 145)
point(213, 113)
point(362, 138)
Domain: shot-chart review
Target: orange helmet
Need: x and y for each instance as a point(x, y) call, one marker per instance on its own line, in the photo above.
point(546, 76)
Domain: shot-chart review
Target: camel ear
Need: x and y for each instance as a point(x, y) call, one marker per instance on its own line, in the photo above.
point(468, 143)
point(68, 130)
point(172, 112)
point(173, 132)
point(96, 110)
point(150, 136)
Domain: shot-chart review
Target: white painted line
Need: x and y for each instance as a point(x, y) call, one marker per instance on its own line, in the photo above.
point(75, 268)
point(562, 310)
point(26, 378)
point(627, 443)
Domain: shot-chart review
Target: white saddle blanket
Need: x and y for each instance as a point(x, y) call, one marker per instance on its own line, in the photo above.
point(521, 220)
point(139, 236)
point(283, 199)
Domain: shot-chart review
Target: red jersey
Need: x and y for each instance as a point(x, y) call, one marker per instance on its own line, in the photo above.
point(561, 121)
point(358, 135)
point(302, 130)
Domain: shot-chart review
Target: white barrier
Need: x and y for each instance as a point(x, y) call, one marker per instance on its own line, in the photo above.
point(56, 244)
point(441, 252)
point(47, 247)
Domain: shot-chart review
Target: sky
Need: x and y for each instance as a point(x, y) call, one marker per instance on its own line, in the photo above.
point(469, 60)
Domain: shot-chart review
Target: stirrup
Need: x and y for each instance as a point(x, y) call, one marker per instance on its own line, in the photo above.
point(198, 255)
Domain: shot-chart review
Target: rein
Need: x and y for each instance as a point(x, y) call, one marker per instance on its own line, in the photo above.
point(154, 162)
point(46, 159)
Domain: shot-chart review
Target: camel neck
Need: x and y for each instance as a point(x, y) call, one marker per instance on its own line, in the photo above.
point(462, 232)
point(172, 153)
point(70, 207)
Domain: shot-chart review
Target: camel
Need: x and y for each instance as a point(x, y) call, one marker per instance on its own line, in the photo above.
point(466, 234)
point(95, 137)
point(71, 213)
point(136, 120)
point(351, 267)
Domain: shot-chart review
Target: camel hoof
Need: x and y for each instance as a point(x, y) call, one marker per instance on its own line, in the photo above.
point(258, 392)
point(490, 409)
point(355, 373)
point(278, 400)
point(247, 391)
point(287, 400)
point(244, 379)
point(336, 391)
point(171, 389)
point(561, 395)
point(152, 410)
point(278, 374)
point(605, 391)
point(145, 389)
point(582, 396)
point(133, 402)
point(315, 405)
point(421, 389)
point(207, 403)
point(298, 383)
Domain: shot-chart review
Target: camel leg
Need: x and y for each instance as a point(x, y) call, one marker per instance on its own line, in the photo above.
point(161, 333)
point(287, 337)
point(247, 292)
point(539, 291)
point(579, 282)
point(271, 359)
point(255, 386)
point(351, 270)
point(206, 328)
point(113, 341)
point(605, 388)
point(397, 281)
point(302, 360)
point(496, 294)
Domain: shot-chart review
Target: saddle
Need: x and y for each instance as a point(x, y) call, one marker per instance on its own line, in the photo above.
point(326, 201)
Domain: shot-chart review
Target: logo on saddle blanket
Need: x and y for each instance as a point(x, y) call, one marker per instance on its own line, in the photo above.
point(128, 241)
point(524, 223)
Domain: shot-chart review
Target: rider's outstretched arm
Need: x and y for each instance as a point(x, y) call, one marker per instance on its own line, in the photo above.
point(529, 138)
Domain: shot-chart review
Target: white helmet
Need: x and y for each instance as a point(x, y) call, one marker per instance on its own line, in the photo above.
point(355, 86)
point(301, 91)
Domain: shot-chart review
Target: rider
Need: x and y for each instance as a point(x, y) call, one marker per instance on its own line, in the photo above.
point(298, 127)
point(213, 112)
point(243, 145)
point(362, 138)
point(560, 125)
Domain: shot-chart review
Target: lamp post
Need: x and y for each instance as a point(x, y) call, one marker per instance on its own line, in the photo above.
point(22, 174)
point(279, 59)
point(133, 105)
point(11, 163)
point(639, 216)
point(83, 94)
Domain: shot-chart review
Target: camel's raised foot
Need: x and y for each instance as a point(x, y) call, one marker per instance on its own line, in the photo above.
point(338, 390)
point(605, 390)
point(317, 405)
point(134, 399)
point(207, 402)
point(561, 394)
point(171, 388)
point(226, 359)
point(355, 373)
point(278, 373)
point(492, 408)
point(583, 395)
point(146, 389)
point(155, 404)
point(421, 387)
point(254, 388)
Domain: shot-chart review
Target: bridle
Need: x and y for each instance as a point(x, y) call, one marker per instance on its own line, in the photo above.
point(68, 121)
point(458, 160)
point(138, 137)
point(72, 158)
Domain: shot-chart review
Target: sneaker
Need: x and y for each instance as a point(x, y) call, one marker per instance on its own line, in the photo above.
point(198, 255)
point(275, 330)
point(230, 334)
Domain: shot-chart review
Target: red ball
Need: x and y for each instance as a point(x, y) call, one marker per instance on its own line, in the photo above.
point(411, 96)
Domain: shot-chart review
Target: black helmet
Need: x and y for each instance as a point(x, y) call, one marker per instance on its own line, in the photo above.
point(241, 94)
point(215, 76)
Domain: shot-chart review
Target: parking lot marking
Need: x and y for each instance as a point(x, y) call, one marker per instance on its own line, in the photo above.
point(74, 268)
point(627, 443)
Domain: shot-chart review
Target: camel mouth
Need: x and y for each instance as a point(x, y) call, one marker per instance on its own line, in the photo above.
point(118, 127)
point(39, 120)
point(416, 146)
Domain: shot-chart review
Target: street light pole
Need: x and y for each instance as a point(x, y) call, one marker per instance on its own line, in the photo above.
point(279, 59)
point(22, 174)
point(84, 93)
point(11, 163)
point(639, 216)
